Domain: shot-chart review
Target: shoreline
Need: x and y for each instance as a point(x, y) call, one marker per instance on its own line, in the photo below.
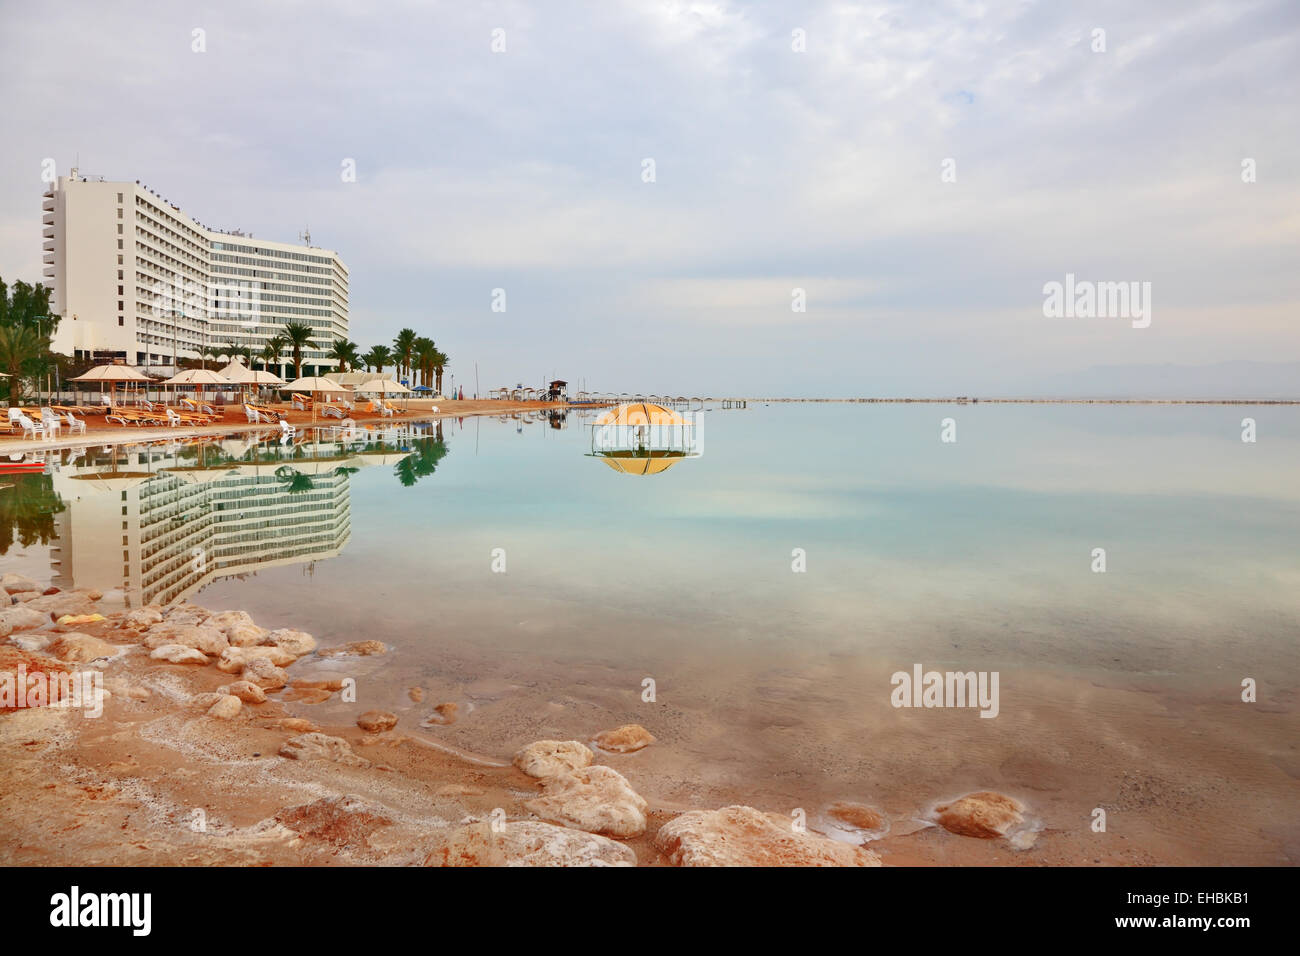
point(972, 400)
point(189, 765)
point(122, 436)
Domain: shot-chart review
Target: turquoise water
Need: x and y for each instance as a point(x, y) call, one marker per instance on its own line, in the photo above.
point(975, 554)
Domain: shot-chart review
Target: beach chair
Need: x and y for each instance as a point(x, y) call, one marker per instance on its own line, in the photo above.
point(30, 427)
point(127, 416)
point(331, 411)
point(14, 415)
point(393, 409)
point(76, 426)
point(302, 402)
point(200, 408)
point(254, 416)
point(50, 422)
point(287, 431)
point(173, 419)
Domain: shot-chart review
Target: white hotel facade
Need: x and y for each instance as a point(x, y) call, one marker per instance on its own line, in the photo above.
point(137, 280)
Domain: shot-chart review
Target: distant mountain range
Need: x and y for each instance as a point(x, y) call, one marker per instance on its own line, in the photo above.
point(1238, 379)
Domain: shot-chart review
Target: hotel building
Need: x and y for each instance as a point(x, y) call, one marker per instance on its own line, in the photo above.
point(137, 280)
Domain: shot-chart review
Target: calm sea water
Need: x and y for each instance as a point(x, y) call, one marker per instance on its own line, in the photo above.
point(977, 554)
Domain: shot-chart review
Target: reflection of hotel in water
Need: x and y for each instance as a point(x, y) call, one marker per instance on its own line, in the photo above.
point(173, 531)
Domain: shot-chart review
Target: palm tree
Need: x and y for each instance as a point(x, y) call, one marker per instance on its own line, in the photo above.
point(423, 353)
point(20, 345)
point(440, 362)
point(377, 358)
point(345, 353)
point(234, 349)
point(403, 350)
point(298, 337)
point(271, 351)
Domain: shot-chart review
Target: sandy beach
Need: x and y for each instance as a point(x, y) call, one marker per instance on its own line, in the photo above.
point(99, 431)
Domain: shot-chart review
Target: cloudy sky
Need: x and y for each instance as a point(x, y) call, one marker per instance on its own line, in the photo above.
point(775, 169)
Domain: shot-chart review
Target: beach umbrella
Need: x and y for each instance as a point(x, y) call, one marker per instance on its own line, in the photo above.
point(200, 378)
point(237, 372)
point(111, 375)
point(316, 384)
point(241, 374)
point(384, 387)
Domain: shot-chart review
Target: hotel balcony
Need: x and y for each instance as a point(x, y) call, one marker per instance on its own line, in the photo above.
point(47, 203)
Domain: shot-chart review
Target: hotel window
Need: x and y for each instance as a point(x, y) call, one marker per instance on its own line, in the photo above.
point(119, 245)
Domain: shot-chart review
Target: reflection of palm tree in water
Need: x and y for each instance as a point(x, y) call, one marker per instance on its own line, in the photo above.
point(294, 480)
point(28, 508)
point(423, 460)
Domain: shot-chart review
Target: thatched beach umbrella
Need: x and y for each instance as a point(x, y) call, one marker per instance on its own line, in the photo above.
point(383, 387)
point(111, 375)
point(316, 385)
point(200, 378)
point(241, 374)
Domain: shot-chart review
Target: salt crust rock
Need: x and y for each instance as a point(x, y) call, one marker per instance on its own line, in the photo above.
point(20, 617)
point(624, 740)
point(377, 721)
point(142, 617)
point(595, 799)
point(80, 648)
point(985, 815)
point(318, 746)
point(209, 640)
point(525, 843)
point(178, 654)
point(235, 659)
point(264, 674)
point(546, 758)
point(743, 836)
point(13, 582)
point(246, 691)
point(227, 707)
point(290, 641)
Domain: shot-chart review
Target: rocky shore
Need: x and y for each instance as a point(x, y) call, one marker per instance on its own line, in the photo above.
point(175, 736)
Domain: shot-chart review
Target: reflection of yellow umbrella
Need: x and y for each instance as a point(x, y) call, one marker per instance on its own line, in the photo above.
point(652, 464)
